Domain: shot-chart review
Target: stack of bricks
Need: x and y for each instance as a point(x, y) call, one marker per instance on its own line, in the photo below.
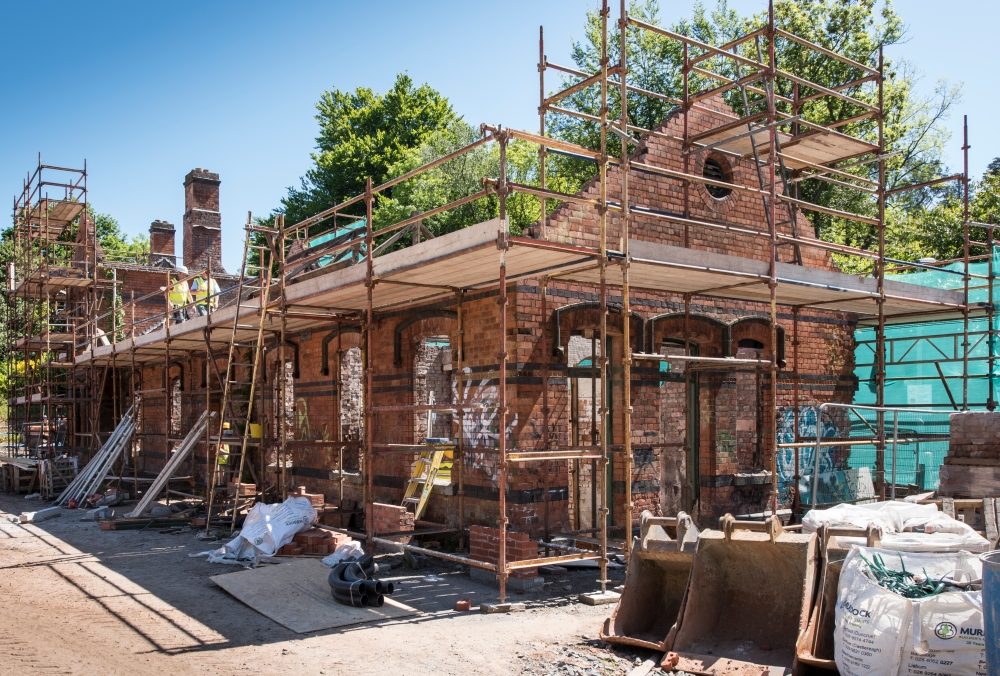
point(315, 499)
point(484, 545)
point(392, 519)
point(975, 434)
point(314, 541)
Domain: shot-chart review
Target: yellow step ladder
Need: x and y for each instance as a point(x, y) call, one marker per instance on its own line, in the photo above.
point(425, 473)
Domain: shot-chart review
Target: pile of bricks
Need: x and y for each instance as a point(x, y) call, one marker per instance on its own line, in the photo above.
point(315, 499)
point(975, 434)
point(484, 545)
point(392, 519)
point(314, 541)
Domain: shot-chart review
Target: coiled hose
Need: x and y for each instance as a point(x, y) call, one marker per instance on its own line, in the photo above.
point(352, 583)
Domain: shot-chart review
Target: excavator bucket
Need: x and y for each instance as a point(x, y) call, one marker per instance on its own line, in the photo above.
point(815, 644)
point(748, 599)
point(655, 582)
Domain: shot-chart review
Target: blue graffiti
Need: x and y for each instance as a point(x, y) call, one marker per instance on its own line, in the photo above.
point(807, 454)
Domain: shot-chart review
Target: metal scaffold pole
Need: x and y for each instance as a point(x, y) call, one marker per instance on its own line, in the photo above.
point(606, 464)
point(772, 162)
point(625, 264)
point(369, 422)
point(502, 357)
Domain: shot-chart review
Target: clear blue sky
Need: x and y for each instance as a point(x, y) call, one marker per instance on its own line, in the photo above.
point(147, 91)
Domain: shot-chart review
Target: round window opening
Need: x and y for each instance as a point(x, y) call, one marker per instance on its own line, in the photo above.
point(715, 170)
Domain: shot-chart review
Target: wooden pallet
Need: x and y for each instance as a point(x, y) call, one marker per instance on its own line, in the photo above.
point(980, 513)
point(20, 475)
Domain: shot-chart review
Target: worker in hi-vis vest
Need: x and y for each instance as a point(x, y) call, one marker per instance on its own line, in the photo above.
point(222, 459)
point(205, 293)
point(179, 296)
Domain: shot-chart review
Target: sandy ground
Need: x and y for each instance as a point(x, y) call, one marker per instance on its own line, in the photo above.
point(78, 600)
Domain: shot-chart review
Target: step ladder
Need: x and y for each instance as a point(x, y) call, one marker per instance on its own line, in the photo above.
point(429, 465)
point(233, 439)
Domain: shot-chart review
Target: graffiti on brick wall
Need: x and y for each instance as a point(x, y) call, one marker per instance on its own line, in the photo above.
point(726, 444)
point(303, 430)
point(807, 454)
point(480, 427)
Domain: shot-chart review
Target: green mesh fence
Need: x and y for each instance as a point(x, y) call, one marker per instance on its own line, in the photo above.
point(925, 369)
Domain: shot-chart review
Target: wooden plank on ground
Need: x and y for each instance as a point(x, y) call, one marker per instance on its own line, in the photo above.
point(297, 595)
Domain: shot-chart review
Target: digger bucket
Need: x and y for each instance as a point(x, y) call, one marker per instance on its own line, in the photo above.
point(815, 644)
point(749, 597)
point(655, 582)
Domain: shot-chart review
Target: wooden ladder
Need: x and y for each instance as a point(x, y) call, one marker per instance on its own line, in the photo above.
point(235, 446)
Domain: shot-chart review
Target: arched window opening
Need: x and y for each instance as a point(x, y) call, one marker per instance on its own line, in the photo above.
point(718, 169)
point(351, 391)
point(432, 387)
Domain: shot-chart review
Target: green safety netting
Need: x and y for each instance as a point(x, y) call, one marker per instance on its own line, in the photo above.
point(924, 368)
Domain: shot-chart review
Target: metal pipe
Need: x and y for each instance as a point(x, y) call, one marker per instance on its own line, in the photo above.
point(501, 566)
point(626, 306)
point(605, 371)
point(369, 499)
point(895, 446)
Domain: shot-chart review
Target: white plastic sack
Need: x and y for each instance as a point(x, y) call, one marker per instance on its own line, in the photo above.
point(905, 526)
point(267, 529)
point(344, 551)
point(879, 633)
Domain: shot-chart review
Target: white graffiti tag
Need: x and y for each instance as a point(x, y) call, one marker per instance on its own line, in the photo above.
point(480, 426)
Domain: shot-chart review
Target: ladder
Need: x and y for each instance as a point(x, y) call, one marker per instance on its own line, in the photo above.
point(420, 485)
point(782, 170)
point(234, 448)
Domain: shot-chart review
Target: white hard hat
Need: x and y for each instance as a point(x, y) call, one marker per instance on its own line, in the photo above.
point(181, 268)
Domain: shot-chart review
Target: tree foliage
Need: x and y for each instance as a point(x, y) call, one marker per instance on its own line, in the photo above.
point(363, 134)
point(458, 178)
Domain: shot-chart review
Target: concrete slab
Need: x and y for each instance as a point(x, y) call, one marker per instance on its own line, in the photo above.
point(599, 598)
point(40, 515)
point(491, 608)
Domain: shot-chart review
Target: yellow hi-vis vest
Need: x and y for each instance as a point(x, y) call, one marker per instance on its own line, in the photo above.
point(179, 294)
point(200, 290)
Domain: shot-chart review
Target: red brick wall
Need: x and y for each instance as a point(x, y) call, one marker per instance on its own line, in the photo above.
point(161, 241)
point(150, 302)
point(484, 545)
point(392, 519)
point(202, 221)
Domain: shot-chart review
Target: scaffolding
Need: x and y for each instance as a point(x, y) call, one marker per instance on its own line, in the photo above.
point(327, 273)
point(52, 290)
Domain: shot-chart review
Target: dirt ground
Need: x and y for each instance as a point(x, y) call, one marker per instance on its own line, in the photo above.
point(78, 600)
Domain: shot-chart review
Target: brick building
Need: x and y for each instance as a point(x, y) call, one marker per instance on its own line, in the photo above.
point(702, 436)
point(699, 443)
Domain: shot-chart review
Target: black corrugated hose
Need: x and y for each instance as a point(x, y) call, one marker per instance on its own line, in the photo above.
point(353, 583)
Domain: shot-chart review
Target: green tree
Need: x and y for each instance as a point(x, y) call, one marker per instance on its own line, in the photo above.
point(363, 134)
point(459, 178)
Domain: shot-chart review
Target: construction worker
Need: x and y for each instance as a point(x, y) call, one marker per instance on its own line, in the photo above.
point(179, 296)
point(222, 459)
point(205, 293)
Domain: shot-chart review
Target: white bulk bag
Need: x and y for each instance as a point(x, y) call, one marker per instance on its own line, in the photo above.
point(879, 633)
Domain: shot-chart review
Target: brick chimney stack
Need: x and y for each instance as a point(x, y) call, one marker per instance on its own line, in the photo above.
point(161, 244)
point(202, 221)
